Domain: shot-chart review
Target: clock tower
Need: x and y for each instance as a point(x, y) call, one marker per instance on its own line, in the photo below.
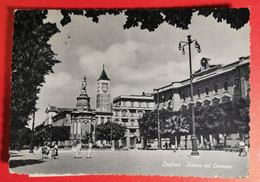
point(103, 92)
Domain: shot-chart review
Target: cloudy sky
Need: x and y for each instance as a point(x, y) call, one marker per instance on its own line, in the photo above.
point(135, 60)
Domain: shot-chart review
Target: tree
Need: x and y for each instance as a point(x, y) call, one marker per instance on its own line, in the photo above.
point(148, 124)
point(177, 126)
point(32, 60)
point(60, 133)
point(151, 19)
point(103, 131)
point(242, 117)
point(20, 138)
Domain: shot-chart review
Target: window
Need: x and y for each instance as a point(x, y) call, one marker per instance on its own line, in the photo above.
point(207, 90)
point(140, 114)
point(124, 113)
point(132, 114)
point(236, 83)
point(102, 119)
point(184, 96)
point(216, 88)
point(163, 100)
point(132, 122)
point(108, 119)
point(116, 113)
point(123, 103)
point(225, 85)
point(198, 93)
point(132, 131)
point(132, 104)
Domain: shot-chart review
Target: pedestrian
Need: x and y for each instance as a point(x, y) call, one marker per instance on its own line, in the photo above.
point(241, 147)
point(246, 150)
point(55, 151)
point(173, 148)
point(166, 145)
point(78, 150)
point(45, 151)
point(90, 150)
point(205, 143)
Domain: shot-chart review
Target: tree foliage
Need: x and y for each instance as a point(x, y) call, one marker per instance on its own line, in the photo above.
point(151, 19)
point(103, 131)
point(148, 124)
point(32, 60)
point(20, 138)
point(51, 133)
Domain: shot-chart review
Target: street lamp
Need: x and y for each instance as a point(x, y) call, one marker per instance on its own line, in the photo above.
point(32, 137)
point(111, 130)
point(182, 44)
point(158, 121)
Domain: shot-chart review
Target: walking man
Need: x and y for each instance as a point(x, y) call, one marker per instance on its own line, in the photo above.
point(90, 149)
point(241, 147)
point(78, 150)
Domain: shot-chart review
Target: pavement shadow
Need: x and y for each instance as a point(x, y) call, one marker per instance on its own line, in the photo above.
point(22, 162)
point(15, 155)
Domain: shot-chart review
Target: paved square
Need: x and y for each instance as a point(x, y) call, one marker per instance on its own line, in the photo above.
point(134, 162)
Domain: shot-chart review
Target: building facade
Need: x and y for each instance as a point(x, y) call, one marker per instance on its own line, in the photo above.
point(212, 84)
point(127, 109)
point(57, 116)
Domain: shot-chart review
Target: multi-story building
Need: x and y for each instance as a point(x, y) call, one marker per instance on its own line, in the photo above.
point(57, 116)
point(211, 84)
point(127, 109)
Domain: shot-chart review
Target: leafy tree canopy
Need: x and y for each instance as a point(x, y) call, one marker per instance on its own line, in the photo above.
point(103, 131)
point(151, 19)
point(32, 60)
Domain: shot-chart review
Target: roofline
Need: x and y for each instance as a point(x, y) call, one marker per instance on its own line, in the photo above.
point(137, 97)
point(240, 62)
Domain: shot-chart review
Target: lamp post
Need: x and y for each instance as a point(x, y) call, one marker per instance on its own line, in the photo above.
point(182, 44)
point(158, 121)
point(32, 137)
point(111, 130)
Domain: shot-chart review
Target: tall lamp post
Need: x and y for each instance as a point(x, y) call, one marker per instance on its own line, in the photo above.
point(111, 130)
point(158, 122)
point(32, 137)
point(182, 44)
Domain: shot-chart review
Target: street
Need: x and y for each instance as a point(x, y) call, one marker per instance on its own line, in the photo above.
point(133, 162)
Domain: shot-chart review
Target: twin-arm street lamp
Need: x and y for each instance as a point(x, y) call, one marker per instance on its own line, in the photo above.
point(182, 44)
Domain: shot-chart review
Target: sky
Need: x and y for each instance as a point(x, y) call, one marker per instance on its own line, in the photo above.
point(135, 60)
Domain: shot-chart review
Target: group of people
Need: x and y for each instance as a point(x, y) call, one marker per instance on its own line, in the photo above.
point(53, 151)
point(78, 150)
point(47, 149)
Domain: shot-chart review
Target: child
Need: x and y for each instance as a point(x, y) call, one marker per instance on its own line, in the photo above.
point(45, 151)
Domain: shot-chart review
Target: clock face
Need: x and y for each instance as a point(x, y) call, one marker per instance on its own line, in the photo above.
point(105, 87)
